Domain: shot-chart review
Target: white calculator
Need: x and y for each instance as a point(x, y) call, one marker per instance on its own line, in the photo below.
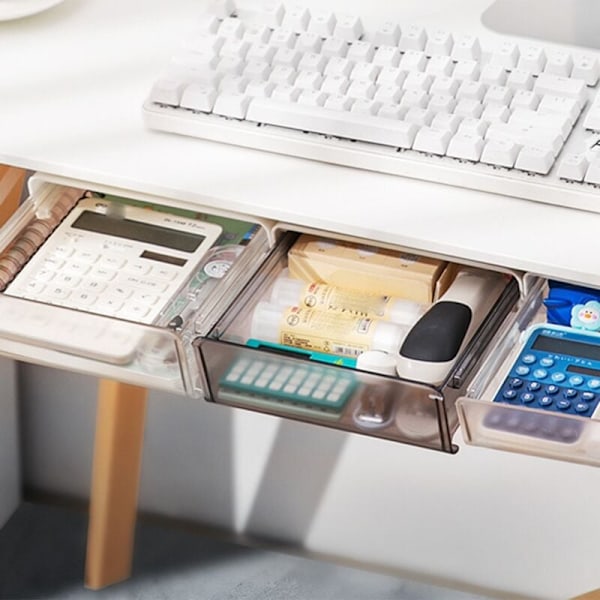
point(115, 259)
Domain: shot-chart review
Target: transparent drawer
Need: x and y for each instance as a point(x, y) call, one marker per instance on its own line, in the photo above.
point(117, 286)
point(329, 389)
point(522, 425)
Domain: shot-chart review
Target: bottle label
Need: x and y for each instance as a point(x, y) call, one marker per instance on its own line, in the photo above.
point(348, 302)
point(328, 332)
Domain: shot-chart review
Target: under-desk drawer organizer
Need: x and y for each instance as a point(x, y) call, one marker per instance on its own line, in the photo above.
point(520, 424)
point(243, 373)
point(155, 351)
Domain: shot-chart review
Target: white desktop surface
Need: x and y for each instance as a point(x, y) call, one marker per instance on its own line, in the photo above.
point(72, 81)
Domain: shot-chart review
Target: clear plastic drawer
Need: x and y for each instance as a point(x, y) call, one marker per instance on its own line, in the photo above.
point(118, 286)
point(268, 376)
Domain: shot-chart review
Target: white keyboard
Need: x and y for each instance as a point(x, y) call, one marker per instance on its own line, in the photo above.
point(516, 119)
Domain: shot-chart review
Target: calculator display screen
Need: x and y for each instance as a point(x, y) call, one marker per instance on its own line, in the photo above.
point(569, 347)
point(138, 231)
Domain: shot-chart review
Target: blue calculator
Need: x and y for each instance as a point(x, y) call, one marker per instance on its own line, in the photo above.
point(557, 371)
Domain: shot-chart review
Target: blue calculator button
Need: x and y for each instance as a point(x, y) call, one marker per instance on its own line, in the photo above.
point(581, 407)
point(563, 404)
point(545, 401)
point(534, 386)
point(509, 394)
point(522, 370)
point(558, 377)
point(527, 397)
point(594, 383)
point(540, 373)
point(570, 393)
point(552, 389)
point(529, 359)
point(575, 380)
point(587, 396)
point(546, 361)
point(515, 382)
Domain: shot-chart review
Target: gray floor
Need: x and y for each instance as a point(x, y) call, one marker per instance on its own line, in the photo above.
point(42, 551)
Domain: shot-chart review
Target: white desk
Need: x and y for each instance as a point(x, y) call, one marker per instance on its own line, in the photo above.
point(73, 80)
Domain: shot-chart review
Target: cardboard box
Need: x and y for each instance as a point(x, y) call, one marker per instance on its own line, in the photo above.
point(368, 269)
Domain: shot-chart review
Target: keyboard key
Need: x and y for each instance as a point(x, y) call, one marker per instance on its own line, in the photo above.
point(388, 34)
point(322, 23)
point(342, 124)
point(573, 167)
point(586, 67)
point(502, 153)
point(167, 91)
point(296, 18)
point(348, 27)
point(532, 59)
point(466, 47)
point(466, 146)
point(559, 63)
point(413, 37)
point(432, 140)
point(439, 42)
point(231, 104)
point(535, 159)
point(199, 97)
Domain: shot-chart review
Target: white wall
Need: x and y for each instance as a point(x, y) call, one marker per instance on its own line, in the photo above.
point(499, 521)
point(10, 480)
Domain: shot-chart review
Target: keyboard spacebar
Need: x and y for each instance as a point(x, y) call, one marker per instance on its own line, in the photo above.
point(317, 119)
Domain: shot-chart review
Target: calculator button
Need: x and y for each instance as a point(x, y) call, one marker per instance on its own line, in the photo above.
point(581, 407)
point(534, 386)
point(121, 292)
point(112, 261)
point(53, 262)
point(102, 273)
point(564, 404)
point(558, 377)
point(570, 393)
point(64, 250)
point(527, 397)
point(540, 373)
point(68, 280)
point(545, 401)
point(87, 256)
point(76, 268)
point(139, 268)
point(108, 305)
point(509, 394)
point(45, 274)
point(552, 389)
point(546, 361)
point(575, 380)
point(528, 359)
point(166, 273)
point(93, 285)
point(588, 396)
point(56, 292)
point(522, 370)
point(33, 288)
point(83, 299)
point(594, 383)
point(145, 298)
point(515, 382)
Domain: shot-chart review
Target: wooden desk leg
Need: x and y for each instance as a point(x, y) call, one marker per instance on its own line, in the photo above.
point(11, 186)
point(115, 482)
